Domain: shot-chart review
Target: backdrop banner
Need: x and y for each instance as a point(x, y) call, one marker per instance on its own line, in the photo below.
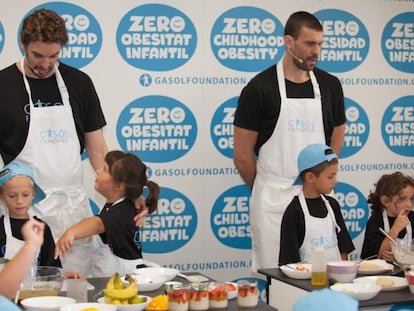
point(169, 73)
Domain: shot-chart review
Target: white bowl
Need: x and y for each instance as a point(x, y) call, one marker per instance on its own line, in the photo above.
point(147, 283)
point(46, 303)
point(231, 293)
point(167, 273)
point(343, 271)
point(403, 252)
point(301, 271)
point(130, 307)
point(85, 305)
point(358, 291)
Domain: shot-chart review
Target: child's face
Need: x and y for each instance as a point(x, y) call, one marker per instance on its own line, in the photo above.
point(326, 181)
point(18, 194)
point(104, 183)
point(401, 202)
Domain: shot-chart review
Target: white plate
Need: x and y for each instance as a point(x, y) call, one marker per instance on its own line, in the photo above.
point(132, 307)
point(378, 266)
point(167, 273)
point(359, 291)
point(85, 305)
point(146, 283)
point(49, 303)
point(398, 282)
point(294, 270)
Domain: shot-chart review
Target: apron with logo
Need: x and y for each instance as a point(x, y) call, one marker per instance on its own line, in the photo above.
point(52, 150)
point(319, 232)
point(409, 231)
point(300, 123)
point(106, 263)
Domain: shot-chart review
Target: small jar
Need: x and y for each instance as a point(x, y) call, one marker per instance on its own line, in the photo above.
point(178, 297)
point(168, 286)
point(199, 296)
point(217, 295)
point(247, 293)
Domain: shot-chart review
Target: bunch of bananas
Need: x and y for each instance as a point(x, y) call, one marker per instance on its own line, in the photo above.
point(116, 293)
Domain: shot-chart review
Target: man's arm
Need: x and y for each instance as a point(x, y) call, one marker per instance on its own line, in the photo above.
point(244, 157)
point(337, 138)
point(96, 148)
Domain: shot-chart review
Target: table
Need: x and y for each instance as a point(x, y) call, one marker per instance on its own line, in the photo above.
point(283, 291)
point(100, 284)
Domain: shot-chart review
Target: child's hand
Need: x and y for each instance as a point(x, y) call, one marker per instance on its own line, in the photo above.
point(401, 221)
point(32, 232)
point(388, 256)
point(74, 275)
point(64, 244)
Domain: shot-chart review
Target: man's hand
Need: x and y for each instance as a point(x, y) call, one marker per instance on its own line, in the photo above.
point(142, 211)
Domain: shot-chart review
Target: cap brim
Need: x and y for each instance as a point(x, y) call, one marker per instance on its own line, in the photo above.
point(40, 195)
point(298, 181)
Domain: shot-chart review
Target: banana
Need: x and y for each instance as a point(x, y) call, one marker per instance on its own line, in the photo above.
point(118, 282)
point(125, 293)
point(111, 282)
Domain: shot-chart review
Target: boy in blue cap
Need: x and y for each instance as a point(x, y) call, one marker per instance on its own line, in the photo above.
point(18, 192)
point(313, 218)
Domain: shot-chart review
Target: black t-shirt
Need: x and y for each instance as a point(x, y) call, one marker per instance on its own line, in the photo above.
point(259, 103)
point(374, 237)
point(47, 251)
point(292, 232)
point(15, 111)
point(121, 234)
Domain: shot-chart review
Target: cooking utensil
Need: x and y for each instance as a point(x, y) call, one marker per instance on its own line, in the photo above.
point(388, 236)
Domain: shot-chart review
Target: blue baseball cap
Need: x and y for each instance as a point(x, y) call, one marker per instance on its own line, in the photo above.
point(327, 300)
point(19, 169)
point(311, 156)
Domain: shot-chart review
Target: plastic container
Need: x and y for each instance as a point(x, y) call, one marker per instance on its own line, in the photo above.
point(247, 293)
point(319, 274)
point(217, 295)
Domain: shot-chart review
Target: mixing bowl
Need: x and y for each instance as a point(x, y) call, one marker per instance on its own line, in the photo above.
point(343, 271)
point(41, 281)
point(403, 252)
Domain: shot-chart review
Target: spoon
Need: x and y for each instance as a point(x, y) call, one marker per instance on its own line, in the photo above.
point(389, 237)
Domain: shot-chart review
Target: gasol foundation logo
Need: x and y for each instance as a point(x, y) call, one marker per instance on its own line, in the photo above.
point(156, 37)
point(247, 39)
point(84, 32)
point(397, 126)
point(171, 226)
point(356, 128)
point(354, 208)
point(397, 42)
point(346, 41)
point(156, 128)
point(230, 220)
point(221, 128)
point(2, 37)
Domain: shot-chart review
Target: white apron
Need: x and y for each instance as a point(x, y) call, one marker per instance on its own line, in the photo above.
point(319, 232)
point(13, 245)
point(409, 231)
point(52, 150)
point(277, 169)
point(105, 262)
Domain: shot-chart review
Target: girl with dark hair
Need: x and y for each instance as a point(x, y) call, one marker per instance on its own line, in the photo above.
point(120, 181)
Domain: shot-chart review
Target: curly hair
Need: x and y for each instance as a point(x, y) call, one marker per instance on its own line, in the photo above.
point(389, 185)
point(45, 26)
